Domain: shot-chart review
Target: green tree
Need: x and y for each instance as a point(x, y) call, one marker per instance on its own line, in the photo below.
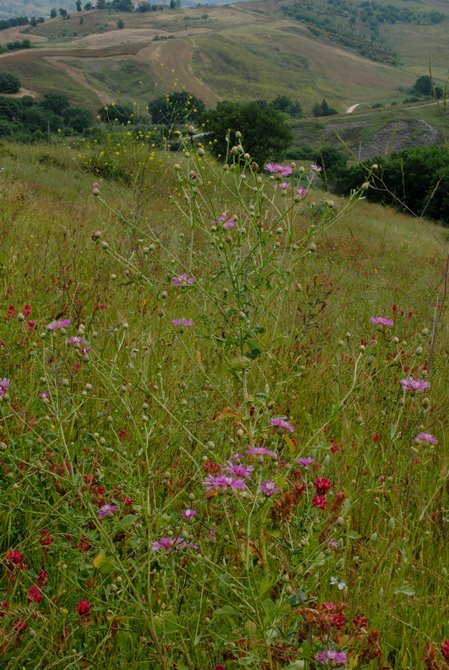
point(53, 13)
point(63, 12)
point(424, 86)
point(120, 24)
point(9, 83)
point(77, 119)
point(265, 133)
point(176, 108)
point(323, 109)
point(78, 5)
point(285, 104)
point(55, 102)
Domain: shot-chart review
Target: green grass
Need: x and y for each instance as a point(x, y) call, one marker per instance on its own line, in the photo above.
point(281, 307)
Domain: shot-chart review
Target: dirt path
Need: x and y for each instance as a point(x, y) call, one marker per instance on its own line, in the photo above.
point(80, 78)
point(172, 64)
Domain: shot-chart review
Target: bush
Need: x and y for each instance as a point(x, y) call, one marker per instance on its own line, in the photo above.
point(9, 83)
point(265, 133)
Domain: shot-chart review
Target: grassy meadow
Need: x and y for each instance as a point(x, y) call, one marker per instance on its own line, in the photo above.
point(208, 458)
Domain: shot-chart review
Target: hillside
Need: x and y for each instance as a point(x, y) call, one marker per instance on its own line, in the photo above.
point(223, 419)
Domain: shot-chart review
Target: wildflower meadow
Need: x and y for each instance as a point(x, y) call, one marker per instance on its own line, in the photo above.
point(223, 410)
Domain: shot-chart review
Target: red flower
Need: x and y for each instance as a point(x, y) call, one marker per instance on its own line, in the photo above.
point(376, 437)
point(46, 539)
point(14, 556)
point(83, 608)
point(34, 595)
point(26, 311)
point(322, 485)
point(338, 620)
point(20, 627)
point(42, 578)
point(445, 649)
point(360, 621)
point(319, 501)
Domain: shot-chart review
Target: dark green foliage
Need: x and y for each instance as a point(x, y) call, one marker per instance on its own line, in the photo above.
point(121, 114)
point(120, 24)
point(265, 133)
point(53, 13)
point(285, 104)
point(323, 109)
point(55, 102)
point(424, 86)
point(16, 45)
point(78, 5)
point(63, 12)
point(176, 108)
point(27, 120)
point(415, 179)
point(9, 83)
point(16, 21)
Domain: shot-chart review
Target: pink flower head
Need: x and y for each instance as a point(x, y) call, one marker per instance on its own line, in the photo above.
point(56, 325)
point(411, 384)
point(260, 451)
point(169, 544)
point(183, 280)
point(284, 185)
point(269, 487)
point(282, 423)
point(76, 340)
point(276, 168)
point(224, 482)
point(305, 462)
point(96, 187)
point(302, 192)
point(334, 658)
point(239, 470)
point(4, 386)
point(182, 323)
point(226, 221)
point(316, 168)
point(381, 321)
point(107, 510)
point(189, 514)
point(426, 437)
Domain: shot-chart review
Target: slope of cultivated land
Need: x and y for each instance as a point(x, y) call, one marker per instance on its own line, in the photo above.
point(224, 52)
point(115, 554)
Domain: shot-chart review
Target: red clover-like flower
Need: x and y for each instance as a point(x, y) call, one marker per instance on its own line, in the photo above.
point(83, 608)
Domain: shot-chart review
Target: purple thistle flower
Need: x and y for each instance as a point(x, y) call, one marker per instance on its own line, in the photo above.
point(426, 437)
point(183, 280)
point(107, 510)
point(4, 386)
point(172, 544)
point(381, 321)
point(224, 482)
point(302, 192)
point(411, 384)
point(305, 462)
point(189, 514)
point(56, 325)
point(164, 543)
point(276, 168)
point(316, 168)
point(227, 221)
point(76, 340)
point(335, 658)
point(333, 544)
point(239, 470)
point(284, 185)
point(44, 395)
point(282, 423)
point(269, 487)
point(260, 451)
point(182, 323)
